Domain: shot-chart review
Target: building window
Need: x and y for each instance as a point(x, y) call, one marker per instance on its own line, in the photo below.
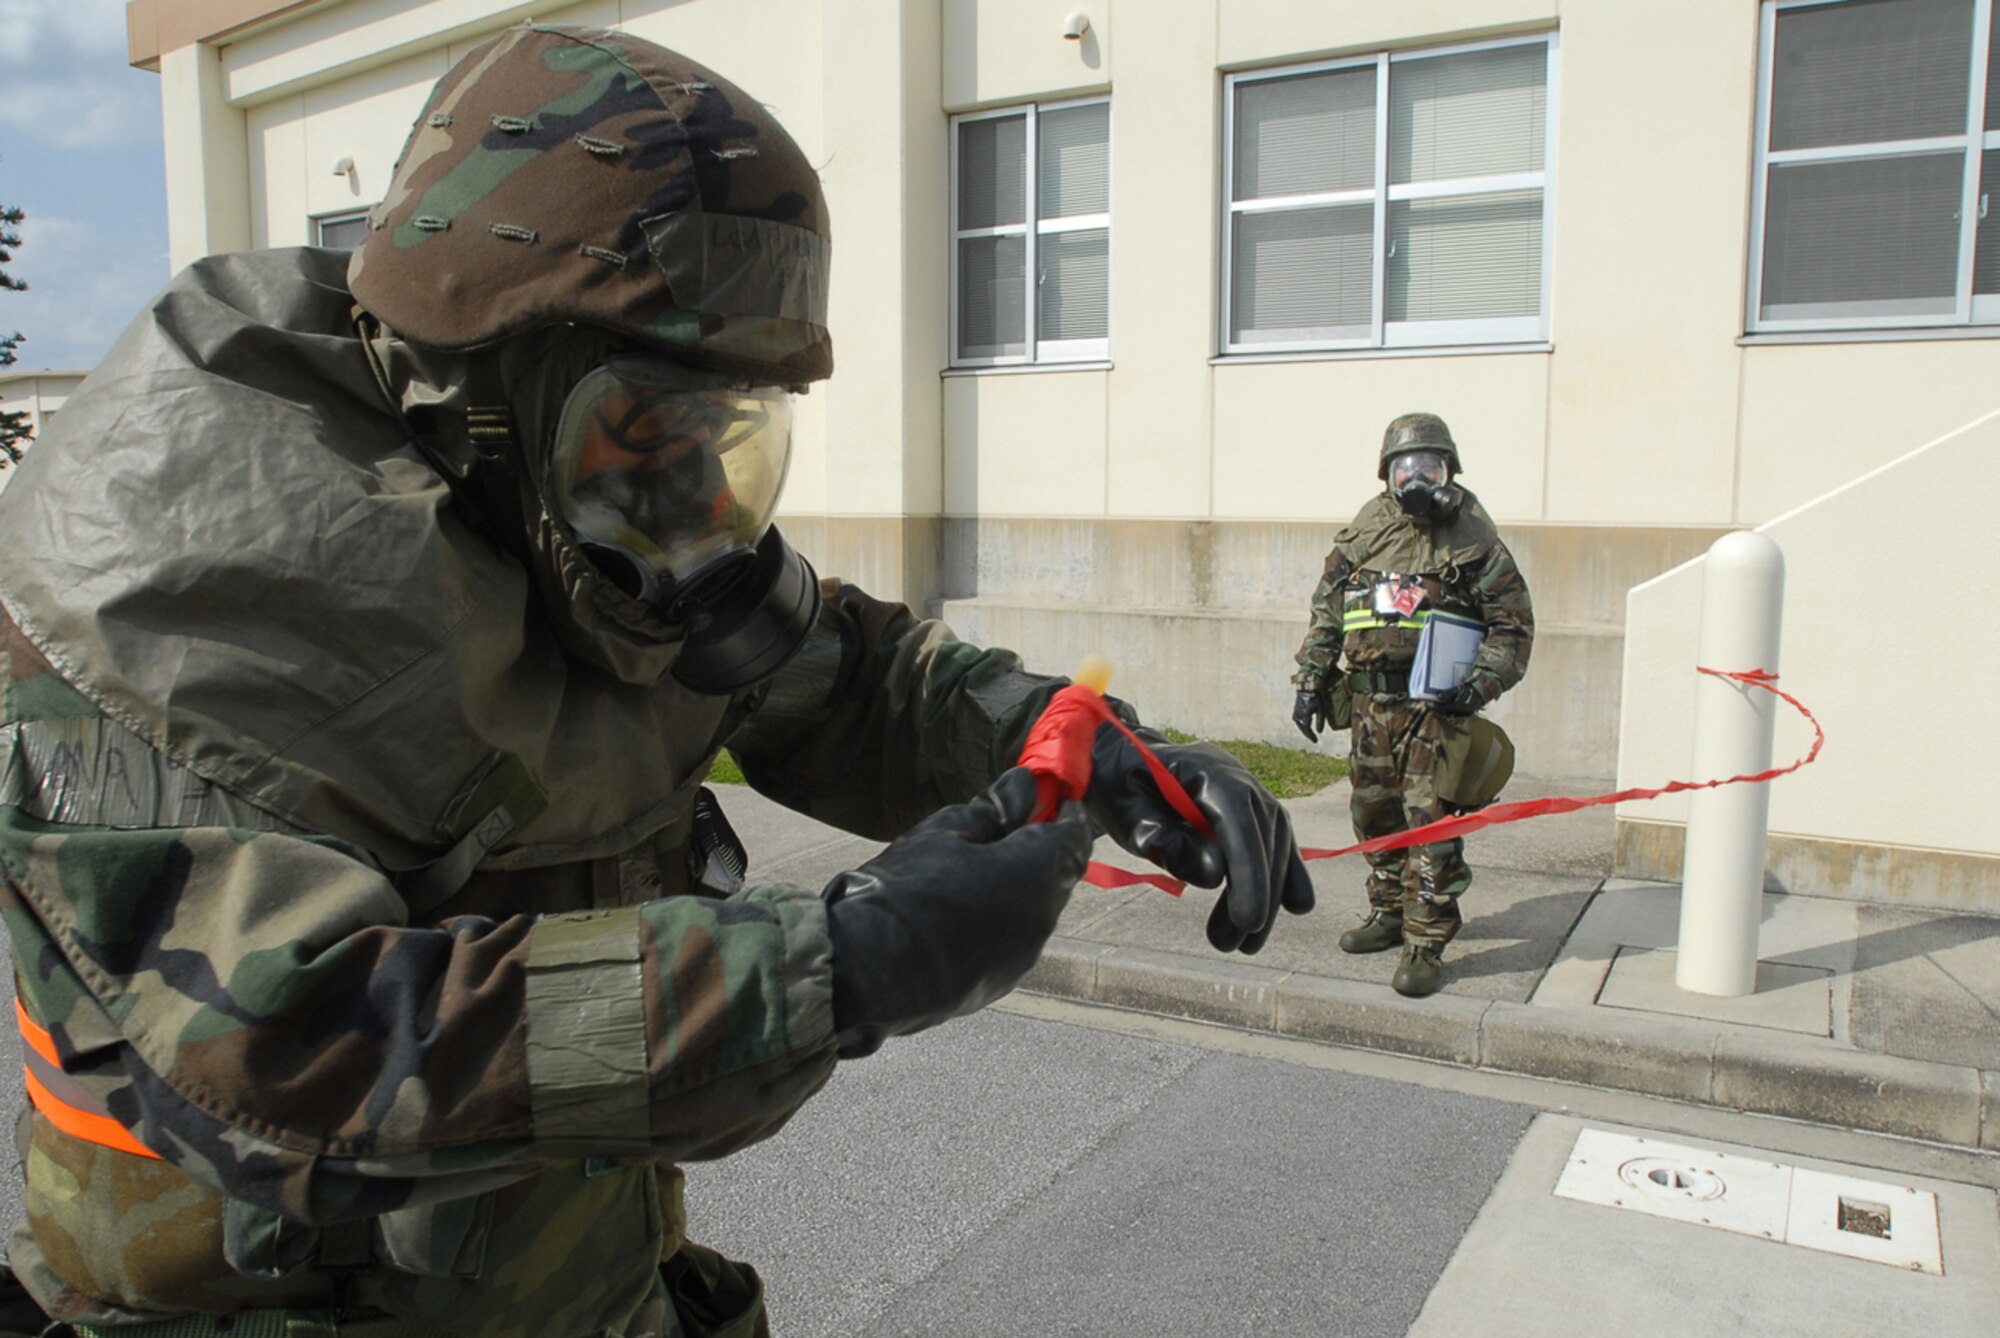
point(1398, 199)
point(1878, 149)
point(1031, 235)
point(341, 232)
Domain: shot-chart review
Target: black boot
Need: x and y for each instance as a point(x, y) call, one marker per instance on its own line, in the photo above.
point(1382, 931)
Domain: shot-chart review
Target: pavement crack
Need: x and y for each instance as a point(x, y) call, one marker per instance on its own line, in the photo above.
point(1582, 910)
point(1973, 994)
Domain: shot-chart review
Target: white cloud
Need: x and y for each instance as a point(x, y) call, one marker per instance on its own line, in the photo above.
point(63, 66)
point(35, 29)
point(82, 113)
point(85, 283)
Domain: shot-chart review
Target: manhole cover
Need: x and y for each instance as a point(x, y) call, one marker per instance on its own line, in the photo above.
point(1666, 1178)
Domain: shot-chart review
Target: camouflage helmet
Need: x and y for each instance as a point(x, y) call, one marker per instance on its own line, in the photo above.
point(573, 175)
point(1417, 432)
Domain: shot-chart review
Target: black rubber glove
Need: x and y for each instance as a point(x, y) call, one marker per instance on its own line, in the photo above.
point(1310, 711)
point(1461, 700)
point(1254, 849)
point(951, 915)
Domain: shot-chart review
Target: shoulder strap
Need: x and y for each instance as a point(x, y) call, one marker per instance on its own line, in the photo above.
point(504, 799)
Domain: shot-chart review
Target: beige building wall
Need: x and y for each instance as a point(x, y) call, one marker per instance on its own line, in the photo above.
point(1896, 806)
point(38, 394)
point(1169, 506)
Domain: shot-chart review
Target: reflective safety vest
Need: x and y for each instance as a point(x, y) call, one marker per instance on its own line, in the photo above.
point(62, 1100)
point(1362, 618)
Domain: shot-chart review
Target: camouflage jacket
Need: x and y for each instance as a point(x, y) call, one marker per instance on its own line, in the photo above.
point(261, 680)
point(1463, 566)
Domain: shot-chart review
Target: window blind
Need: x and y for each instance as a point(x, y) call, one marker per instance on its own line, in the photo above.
point(1476, 113)
point(1986, 259)
point(1075, 297)
point(343, 234)
point(1303, 274)
point(1869, 72)
point(1879, 231)
point(1073, 160)
point(1305, 134)
point(992, 272)
point(1461, 251)
point(1464, 258)
point(1993, 78)
point(992, 172)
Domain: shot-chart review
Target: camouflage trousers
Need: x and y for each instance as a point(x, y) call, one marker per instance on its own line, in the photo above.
point(675, 1289)
point(1392, 767)
point(702, 1294)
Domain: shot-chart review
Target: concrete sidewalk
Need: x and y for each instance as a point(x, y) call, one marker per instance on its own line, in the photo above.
point(1865, 1016)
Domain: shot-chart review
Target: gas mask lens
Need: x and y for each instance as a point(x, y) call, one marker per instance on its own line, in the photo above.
point(664, 481)
point(1418, 469)
point(1420, 481)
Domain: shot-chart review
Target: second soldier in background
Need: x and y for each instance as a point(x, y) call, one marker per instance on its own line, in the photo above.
point(1421, 545)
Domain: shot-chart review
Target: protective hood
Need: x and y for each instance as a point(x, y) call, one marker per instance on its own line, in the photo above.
point(230, 542)
point(1382, 538)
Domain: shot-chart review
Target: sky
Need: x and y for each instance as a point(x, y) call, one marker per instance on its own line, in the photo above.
point(80, 152)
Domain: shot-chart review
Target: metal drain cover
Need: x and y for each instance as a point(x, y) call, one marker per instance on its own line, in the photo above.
point(1665, 1177)
point(1863, 1219)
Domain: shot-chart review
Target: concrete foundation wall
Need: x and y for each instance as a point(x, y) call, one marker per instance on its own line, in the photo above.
point(891, 557)
point(1827, 867)
point(1201, 619)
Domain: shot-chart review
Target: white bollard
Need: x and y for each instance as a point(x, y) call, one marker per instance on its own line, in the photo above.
point(1722, 881)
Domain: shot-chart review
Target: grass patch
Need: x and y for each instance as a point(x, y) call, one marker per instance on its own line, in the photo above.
point(1289, 773)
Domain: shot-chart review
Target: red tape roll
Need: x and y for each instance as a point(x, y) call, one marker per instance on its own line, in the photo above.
point(1058, 752)
point(1058, 747)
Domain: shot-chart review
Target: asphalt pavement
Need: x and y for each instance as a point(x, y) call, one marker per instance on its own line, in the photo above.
point(1073, 1171)
point(1007, 1175)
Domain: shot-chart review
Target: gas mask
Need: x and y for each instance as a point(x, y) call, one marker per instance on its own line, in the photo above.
point(1420, 481)
point(668, 479)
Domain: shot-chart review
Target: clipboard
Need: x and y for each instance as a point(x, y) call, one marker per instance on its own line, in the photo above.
point(1446, 651)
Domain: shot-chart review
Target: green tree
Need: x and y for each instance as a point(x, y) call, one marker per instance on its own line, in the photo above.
point(14, 429)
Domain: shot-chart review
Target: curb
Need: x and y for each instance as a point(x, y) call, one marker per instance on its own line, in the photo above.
point(1684, 1059)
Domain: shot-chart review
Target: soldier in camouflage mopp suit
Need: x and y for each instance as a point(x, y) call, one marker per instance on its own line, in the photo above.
point(369, 629)
point(1422, 544)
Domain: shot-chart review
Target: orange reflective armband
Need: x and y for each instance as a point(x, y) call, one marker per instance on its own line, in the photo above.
point(62, 1100)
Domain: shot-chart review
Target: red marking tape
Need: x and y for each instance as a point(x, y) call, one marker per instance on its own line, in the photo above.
point(1058, 747)
point(1494, 815)
point(1058, 752)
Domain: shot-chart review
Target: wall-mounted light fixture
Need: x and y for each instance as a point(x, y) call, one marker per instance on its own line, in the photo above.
point(1075, 26)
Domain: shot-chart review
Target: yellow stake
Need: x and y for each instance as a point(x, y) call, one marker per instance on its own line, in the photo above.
point(1094, 673)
